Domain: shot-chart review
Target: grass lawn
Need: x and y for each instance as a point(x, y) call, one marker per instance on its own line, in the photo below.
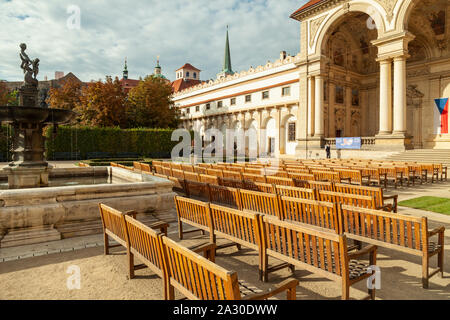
point(434, 204)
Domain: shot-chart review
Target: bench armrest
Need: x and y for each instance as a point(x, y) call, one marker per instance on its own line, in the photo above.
point(208, 249)
point(436, 231)
point(395, 203)
point(364, 251)
point(131, 213)
point(161, 225)
point(288, 285)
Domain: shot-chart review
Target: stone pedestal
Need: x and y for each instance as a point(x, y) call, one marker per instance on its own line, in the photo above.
point(393, 142)
point(27, 177)
point(28, 96)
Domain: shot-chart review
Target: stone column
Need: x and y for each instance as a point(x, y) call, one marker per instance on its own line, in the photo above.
point(332, 109)
point(400, 95)
point(348, 111)
point(311, 106)
point(385, 97)
point(318, 125)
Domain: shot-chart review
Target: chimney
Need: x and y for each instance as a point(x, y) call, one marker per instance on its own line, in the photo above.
point(59, 75)
point(282, 55)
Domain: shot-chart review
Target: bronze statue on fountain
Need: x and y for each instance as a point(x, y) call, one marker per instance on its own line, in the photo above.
point(29, 168)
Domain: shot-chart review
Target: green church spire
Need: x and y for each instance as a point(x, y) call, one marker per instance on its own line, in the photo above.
point(125, 70)
point(227, 61)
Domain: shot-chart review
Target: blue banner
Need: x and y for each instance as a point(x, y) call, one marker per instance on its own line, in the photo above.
point(348, 143)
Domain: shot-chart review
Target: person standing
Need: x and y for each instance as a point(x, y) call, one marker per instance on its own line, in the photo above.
point(328, 150)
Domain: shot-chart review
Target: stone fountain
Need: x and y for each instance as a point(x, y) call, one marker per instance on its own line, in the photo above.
point(29, 168)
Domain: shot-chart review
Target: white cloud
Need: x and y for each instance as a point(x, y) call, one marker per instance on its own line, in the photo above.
point(178, 30)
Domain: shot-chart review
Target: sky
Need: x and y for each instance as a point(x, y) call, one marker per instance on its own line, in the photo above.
point(92, 38)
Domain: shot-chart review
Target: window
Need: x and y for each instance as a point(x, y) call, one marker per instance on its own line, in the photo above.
point(265, 95)
point(195, 75)
point(286, 91)
point(339, 94)
point(291, 132)
point(233, 101)
point(208, 106)
point(187, 74)
point(188, 110)
point(248, 98)
point(197, 108)
point(219, 104)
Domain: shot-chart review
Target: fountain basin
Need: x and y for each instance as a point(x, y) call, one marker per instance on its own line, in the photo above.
point(30, 216)
point(10, 114)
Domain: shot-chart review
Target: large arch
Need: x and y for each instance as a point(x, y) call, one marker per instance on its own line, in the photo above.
point(371, 8)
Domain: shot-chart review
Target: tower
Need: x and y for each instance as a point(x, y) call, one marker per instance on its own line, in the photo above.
point(157, 71)
point(125, 70)
point(226, 69)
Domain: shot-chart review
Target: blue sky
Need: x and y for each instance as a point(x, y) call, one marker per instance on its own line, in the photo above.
point(179, 31)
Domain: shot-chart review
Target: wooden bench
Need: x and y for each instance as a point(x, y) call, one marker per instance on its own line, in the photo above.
point(395, 231)
point(280, 181)
point(347, 198)
point(294, 192)
point(317, 213)
point(258, 186)
point(376, 192)
point(376, 176)
point(442, 171)
point(200, 279)
point(209, 179)
point(232, 183)
point(224, 196)
point(187, 167)
point(145, 167)
point(200, 170)
point(315, 249)
point(320, 185)
point(232, 174)
point(254, 177)
point(392, 174)
point(265, 203)
point(327, 176)
point(191, 176)
point(194, 213)
point(179, 174)
point(353, 176)
point(167, 171)
point(429, 169)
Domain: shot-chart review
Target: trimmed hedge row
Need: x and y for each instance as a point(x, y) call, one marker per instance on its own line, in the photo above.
point(148, 143)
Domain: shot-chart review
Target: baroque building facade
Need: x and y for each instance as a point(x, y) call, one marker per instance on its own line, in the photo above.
point(376, 69)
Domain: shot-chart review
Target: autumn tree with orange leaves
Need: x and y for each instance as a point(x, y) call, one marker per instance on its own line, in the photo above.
point(65, 97)
point(103, 104)
point(150, 105)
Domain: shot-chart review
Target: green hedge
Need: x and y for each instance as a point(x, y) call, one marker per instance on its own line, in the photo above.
point(4, 143)
point(148, 143)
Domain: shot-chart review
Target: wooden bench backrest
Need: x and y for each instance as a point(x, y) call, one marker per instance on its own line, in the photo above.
point(258, 186)
point(255, 171)
point(232, 174)
point(176, 166)
point(254, 177)
point(320, 185)
point(167, 171)
point(145, 167)
point(196, 277)
point(302, 176)
point(113, 223)
point(191, 176)
point(235, 225)
point(354, 175)
point(145, 243)
point(200, 170)
point(158, 168)
point(215, 172)
point(197, 189)
point(294, 192)
point(347, 198)
point(224, 195)
point(137, 165)
point(193, 211)
point(179, 174)
point(280, 181)
point(209, 179)
point(187, 167)
point(232, 183)
point(396, 229)
point(166, 164)
point(376, 192)
point(329, 176)
point(316, 249)
point(276, 173)
point(265, 203)
point(113, 164)
point(311, 212)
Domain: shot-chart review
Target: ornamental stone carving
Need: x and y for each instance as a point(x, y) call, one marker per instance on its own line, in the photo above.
point(389, 6)
point(313, 28)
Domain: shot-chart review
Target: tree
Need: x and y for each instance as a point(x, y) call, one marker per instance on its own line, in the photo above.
point(103, 104)
point(150, 105)
point(65, 97)
point(7, 97)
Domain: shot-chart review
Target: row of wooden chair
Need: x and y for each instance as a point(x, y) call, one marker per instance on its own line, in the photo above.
point(180, 268)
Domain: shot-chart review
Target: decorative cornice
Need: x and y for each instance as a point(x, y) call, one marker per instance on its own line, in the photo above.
point(269, 65)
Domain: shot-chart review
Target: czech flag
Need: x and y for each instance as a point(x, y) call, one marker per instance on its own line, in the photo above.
point(442, 105)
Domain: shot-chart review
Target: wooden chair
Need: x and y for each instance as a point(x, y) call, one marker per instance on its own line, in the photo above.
point(199, 279)
point(398, 232)
point(315, 249)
